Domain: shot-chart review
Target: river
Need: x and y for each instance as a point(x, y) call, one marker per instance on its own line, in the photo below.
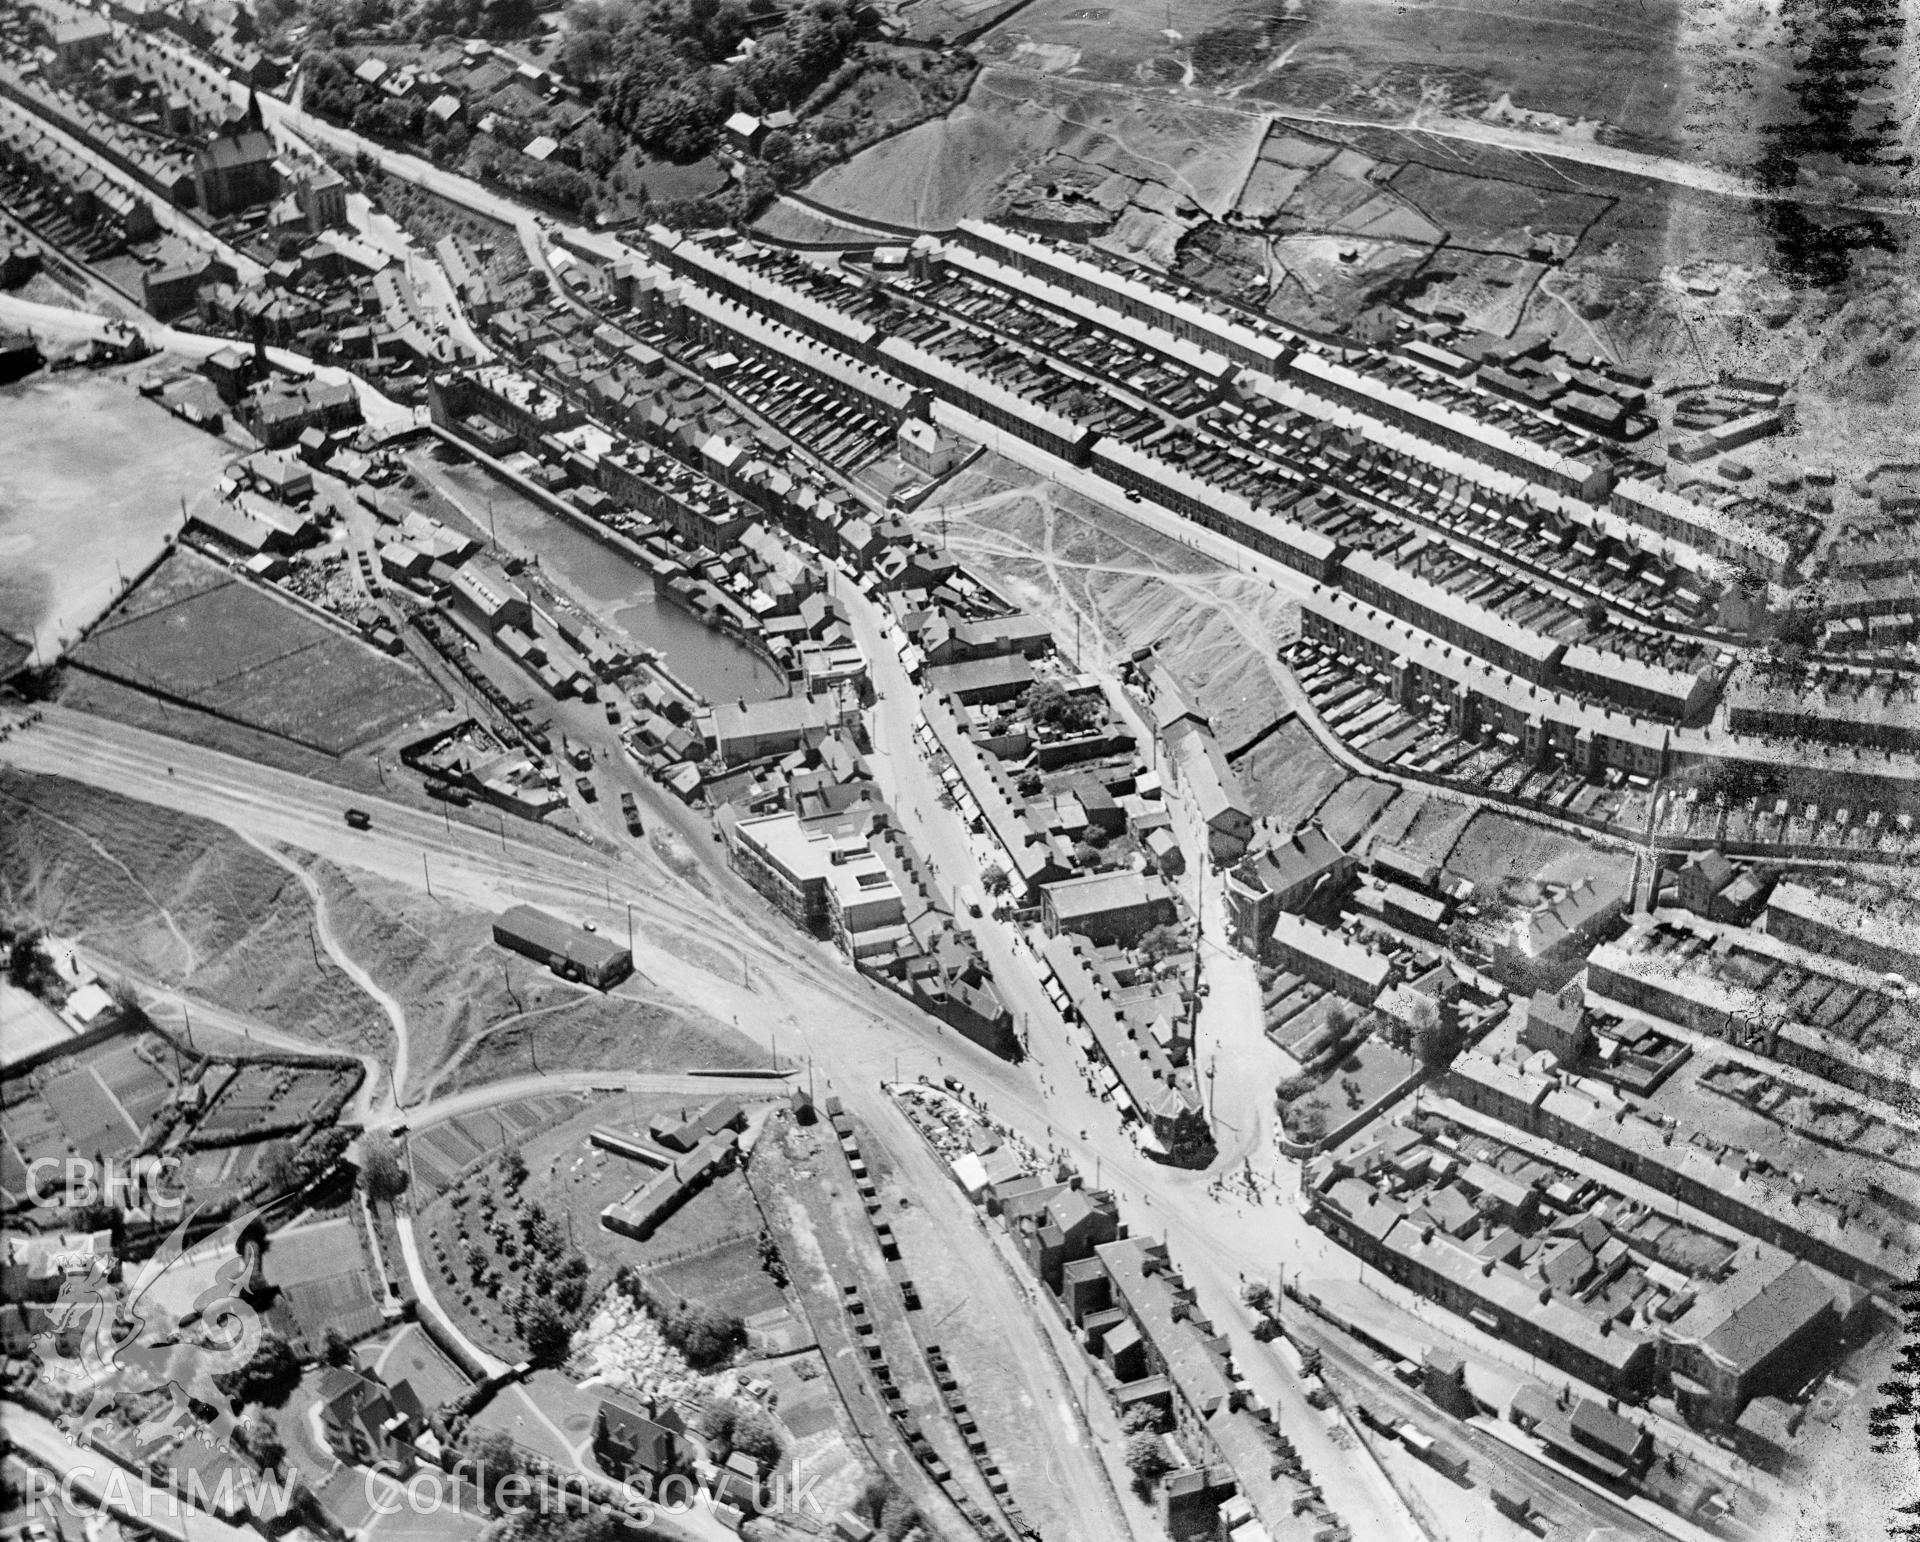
point(615, 591)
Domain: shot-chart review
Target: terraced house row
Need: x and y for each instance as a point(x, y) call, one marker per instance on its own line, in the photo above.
point(1503, 560)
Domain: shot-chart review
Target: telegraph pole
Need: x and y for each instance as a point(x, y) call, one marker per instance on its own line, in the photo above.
point(429, 874)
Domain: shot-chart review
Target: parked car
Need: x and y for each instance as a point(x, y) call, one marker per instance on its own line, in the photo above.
point(584, 786)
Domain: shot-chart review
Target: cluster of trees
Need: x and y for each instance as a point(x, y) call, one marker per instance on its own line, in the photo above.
point(705, 1335)
point(547, 182)
point(333, 92)
point(740, 1426)
point(268, 1378)
point(29, 964)
point(291, 1168)
point(1048, 704)
point(664, 70)
point(383, 1171)
point(546, 1303)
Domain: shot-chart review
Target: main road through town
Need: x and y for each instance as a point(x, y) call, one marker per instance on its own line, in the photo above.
point(703, 938)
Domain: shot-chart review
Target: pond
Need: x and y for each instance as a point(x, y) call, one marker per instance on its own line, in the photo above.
point(616, 591)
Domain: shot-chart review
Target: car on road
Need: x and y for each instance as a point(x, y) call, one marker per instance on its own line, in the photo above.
point(359, 819)
point(584, 786)
point(613, 711)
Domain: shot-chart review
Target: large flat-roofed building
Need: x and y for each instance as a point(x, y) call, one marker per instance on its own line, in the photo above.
point(570, 951)
point(1107, 907)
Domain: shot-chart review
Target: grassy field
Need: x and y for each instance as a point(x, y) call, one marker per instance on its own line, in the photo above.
point(953, 167)
point(1352, 809)
point(91, 483)
point(177, 900)
point(434, 956)
point(1287, 776)
point(196, 632)
point(1575, 59)
point(592, 1032)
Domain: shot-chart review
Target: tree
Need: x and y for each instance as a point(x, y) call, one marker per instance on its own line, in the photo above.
point(548, 1333)
point(268, 1378)
point(704, 1334)
point(336, 1350)
point(265, 1446)
point(754, 1433)
point(1309, 1122)
point(30, 966)
point(513, 1166)
point(1147, 1461)
point(495, 1459)
point(1258, 1294)
point(281, 1170)
point(383, 1172)
point(995, 880)
point(1049, 705)
point(1161, 942)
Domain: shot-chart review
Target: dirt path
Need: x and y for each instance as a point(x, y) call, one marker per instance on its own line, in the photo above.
point(187, 949)
point(459, 1055)
point(396, 1016)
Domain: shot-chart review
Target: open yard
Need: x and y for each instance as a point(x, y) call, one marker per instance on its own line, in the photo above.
point(1287, 776)
point(196, 632)
point(1517, 859)
point(1107, 585)
point(91, 483)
